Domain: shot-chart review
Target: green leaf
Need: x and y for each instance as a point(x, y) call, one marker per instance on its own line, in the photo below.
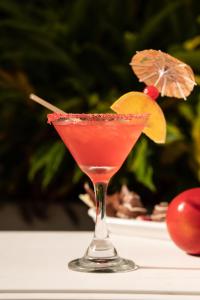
point(130, 41)
point(193, 43)
point(186, 111)
point(141, 166)
point(150, 28)
point(190, 57)
point(173, 151)
point(47, 160)
point(78, 174)
point(173, 133)
point(196, 141)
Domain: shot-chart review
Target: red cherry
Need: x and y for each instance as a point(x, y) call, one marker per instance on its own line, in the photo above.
point(151, 91)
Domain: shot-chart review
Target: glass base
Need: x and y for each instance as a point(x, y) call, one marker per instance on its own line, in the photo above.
point(99, 265)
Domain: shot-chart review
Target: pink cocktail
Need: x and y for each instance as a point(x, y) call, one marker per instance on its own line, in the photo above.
point(99, 143)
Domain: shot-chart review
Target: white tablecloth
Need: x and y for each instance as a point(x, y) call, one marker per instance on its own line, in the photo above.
point(33, 265)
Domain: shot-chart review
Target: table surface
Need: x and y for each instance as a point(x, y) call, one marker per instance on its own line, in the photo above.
point(33, 265)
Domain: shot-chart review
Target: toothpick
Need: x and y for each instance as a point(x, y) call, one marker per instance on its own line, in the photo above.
point(45, 104)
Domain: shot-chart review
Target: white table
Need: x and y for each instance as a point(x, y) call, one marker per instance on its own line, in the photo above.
point(33, 265)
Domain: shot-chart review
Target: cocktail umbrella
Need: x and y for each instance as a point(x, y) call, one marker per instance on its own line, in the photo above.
point(170, 76)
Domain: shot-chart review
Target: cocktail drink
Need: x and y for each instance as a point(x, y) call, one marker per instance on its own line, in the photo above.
point(99, 144)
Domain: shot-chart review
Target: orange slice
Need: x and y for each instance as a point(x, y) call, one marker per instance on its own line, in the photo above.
point(139, 103)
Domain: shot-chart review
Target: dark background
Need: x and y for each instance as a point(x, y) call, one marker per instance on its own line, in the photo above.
point(76, 54)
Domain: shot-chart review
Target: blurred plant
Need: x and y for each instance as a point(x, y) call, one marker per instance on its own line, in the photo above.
point(76, 54)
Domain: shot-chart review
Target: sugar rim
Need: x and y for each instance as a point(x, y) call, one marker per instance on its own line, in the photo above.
point(94, 117)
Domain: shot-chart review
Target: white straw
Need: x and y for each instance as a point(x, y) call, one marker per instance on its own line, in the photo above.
point(45, 104)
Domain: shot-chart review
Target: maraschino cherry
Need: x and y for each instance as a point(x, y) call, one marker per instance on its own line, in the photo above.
point(151, 91)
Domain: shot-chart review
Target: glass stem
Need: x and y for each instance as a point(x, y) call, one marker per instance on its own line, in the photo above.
point(101, 248)
point(101, 230)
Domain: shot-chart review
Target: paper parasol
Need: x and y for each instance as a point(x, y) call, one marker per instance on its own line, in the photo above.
point(170, 76)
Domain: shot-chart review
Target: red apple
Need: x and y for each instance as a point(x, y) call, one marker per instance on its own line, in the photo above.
point(183, 221)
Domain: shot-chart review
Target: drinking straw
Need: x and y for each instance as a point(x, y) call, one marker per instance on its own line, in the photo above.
point(45, 104)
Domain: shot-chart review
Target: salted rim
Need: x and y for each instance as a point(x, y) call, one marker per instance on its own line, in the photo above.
point(94, 117)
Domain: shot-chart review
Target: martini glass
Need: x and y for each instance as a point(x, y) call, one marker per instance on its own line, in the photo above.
point(99, 144)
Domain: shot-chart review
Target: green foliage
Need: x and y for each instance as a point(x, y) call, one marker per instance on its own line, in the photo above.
point(49, 163)
point(76, 54)
point(140, 166)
